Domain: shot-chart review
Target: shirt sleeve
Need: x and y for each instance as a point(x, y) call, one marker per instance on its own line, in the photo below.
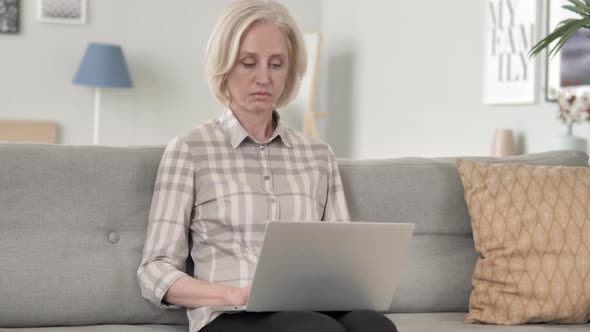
point(166, 246)
point(335, 208)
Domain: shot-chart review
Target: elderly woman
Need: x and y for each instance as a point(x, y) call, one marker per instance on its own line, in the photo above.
point(218, 184)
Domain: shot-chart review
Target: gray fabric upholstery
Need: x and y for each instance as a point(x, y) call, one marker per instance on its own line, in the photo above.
point(59, 204)
point(453, 322)
point(429, 193)
point(73, 221)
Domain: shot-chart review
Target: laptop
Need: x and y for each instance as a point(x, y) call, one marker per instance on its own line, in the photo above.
point(327, 266)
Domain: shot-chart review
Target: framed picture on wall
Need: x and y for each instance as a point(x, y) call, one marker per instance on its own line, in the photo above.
point(62, 11)
point(511, 29)
point(9, 16)
point(300, 113)
point(569, 67)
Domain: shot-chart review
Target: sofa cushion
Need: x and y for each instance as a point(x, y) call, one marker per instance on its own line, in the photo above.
point(72, 229)
point(453, 322)
point(532, 230)
point(428, 192)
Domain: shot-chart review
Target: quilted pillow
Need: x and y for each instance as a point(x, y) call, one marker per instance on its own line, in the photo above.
point(531, 227)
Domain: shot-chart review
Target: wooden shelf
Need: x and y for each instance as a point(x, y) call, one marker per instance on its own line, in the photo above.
point(28, 131)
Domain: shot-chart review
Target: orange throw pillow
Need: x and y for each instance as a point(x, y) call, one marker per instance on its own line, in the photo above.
point(531, 227)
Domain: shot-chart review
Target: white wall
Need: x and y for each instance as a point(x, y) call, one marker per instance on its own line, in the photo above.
point(163, 42)
point(399, 77)
point(404, 78)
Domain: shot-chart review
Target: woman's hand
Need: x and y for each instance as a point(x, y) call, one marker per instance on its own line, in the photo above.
point(238, 295)
point(194, 293)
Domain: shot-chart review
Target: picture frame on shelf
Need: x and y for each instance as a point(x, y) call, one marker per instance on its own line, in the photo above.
point(62, 11)
point(9, 16)
point(567, 67)
point(511, 29)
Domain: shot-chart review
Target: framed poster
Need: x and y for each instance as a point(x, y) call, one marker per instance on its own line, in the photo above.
point(511, 30)
point(62, 11)
point(568, 67)
point(9, 16)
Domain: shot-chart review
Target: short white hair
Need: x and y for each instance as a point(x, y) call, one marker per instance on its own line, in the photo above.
point(224, 43)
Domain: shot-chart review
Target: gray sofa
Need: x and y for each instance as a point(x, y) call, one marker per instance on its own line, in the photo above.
point(73, 223)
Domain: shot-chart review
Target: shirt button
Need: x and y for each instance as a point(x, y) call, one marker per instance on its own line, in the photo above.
point(267, 177)
point(273, 200)
point(262, 147)
point(114, 237)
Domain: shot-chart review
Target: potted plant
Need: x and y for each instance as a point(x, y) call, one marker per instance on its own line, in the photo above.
point(566, 28)
point(573, 108)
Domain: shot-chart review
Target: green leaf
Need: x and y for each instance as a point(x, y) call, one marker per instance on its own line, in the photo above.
point(561, 29)
point(567, 22)
point(565, 37)
point(565, 29)
point(579, 7)
point(579, 4)
point(576, 10)
point(562, 33)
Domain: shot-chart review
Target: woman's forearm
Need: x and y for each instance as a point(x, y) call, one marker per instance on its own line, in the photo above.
point(192, 293)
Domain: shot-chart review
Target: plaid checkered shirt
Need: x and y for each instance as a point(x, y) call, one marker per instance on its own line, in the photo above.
point(219, 187)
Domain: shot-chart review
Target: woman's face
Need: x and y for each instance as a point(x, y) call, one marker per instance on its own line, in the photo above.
point(257, 79)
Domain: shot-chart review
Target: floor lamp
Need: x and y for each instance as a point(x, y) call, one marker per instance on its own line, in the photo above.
point(103, 66)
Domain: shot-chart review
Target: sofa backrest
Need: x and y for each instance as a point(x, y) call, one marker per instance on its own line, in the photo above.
point(428, 192)
point(73, 222)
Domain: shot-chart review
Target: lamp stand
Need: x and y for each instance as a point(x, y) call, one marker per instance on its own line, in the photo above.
point(96, 113)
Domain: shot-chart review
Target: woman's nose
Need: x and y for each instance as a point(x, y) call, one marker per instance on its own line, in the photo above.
point(262, 76)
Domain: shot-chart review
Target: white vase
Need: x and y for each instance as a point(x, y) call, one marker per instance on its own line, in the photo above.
point(503, 143)
point(567, 141)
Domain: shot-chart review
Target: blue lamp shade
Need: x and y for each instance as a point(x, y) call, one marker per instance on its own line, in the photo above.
point(103, 65)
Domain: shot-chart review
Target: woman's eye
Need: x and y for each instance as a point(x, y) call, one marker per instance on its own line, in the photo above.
point(248, 64)
point(276, 65)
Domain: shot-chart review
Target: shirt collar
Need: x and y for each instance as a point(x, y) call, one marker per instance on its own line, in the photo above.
point(237, 134)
